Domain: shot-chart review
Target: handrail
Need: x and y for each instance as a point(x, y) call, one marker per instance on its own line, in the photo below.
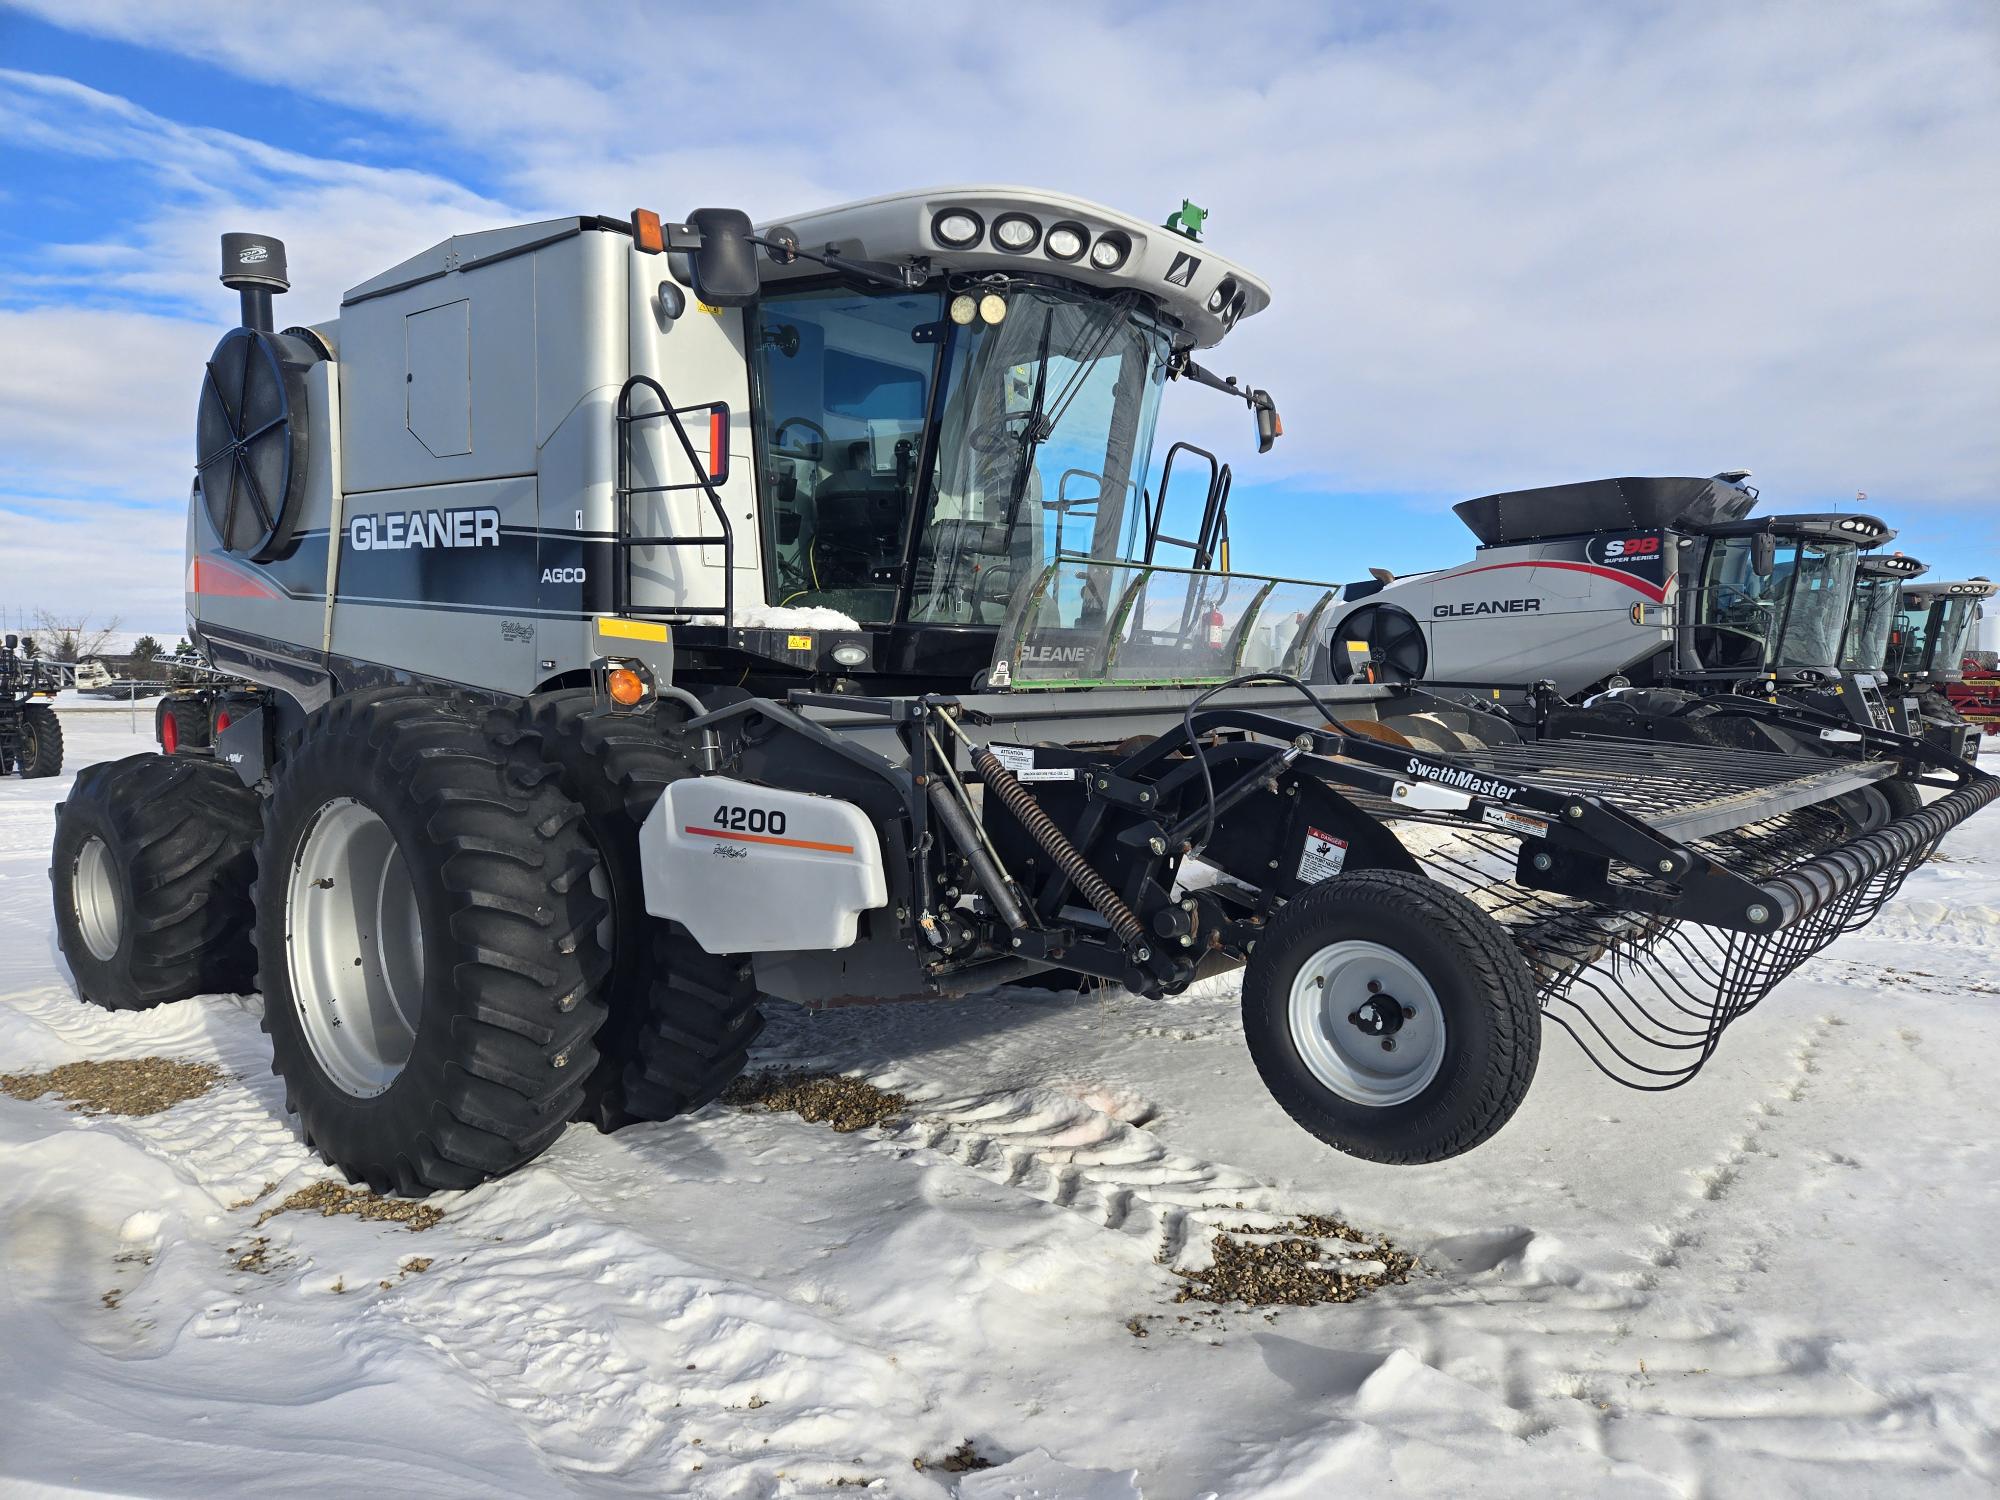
point(706, 481)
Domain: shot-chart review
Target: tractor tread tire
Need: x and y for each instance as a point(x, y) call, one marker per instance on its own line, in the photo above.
point(41, 742)
point(182, 834)
point(702, 1016)
point(681, 1020)
point(512, 969)
point(1467, 1103)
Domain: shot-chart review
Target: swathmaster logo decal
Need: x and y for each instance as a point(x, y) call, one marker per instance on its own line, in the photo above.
point(469, 526)
point(1465, 781)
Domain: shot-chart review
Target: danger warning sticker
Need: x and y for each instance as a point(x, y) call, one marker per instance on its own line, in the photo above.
point(1516, 822)
point(1322, 856)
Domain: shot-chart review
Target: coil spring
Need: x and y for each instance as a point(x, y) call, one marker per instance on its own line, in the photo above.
point(1042, 828)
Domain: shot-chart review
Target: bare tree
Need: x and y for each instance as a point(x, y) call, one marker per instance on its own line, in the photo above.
point(73, 637)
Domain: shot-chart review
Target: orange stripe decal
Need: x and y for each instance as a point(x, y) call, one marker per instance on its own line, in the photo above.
point(765, 838)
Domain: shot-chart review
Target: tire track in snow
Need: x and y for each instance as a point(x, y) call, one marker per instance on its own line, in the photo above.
point(578, 1327)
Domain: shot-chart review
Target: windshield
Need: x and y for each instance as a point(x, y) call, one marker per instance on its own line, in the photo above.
point(1044, 423)
point(1791, 617)
point(1909, 638)
point(1954, 632)
point(1869, 623)
point(1043, 447)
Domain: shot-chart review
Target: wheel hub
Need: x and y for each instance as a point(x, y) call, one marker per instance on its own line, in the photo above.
point(1380, 1015)
point(1366, 1023)
point(100, 914)
point(354, 948)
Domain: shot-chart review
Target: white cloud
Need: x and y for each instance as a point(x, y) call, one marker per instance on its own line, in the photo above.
point(1509, 244)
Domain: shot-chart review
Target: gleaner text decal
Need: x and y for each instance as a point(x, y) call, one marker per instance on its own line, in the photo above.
point(471, 526)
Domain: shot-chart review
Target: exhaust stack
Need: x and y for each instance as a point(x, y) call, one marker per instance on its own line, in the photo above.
point(254, 264)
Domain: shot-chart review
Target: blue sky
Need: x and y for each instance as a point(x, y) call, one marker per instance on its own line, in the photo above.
point(1509, 245)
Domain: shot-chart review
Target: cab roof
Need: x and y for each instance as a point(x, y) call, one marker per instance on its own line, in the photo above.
point(1207, 293)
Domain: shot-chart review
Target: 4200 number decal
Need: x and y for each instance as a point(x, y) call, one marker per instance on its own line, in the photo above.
point(750, 819)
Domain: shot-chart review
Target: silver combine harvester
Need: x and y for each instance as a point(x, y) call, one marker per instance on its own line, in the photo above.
point(646, 617)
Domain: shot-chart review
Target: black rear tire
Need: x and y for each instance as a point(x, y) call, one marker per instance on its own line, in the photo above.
point(680, 1020)
point(41, 741)
point(506, 992)
point(191, 720)
point(161, 909)
point(1480, 991)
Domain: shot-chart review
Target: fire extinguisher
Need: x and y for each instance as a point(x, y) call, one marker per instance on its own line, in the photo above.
point(1215, 630)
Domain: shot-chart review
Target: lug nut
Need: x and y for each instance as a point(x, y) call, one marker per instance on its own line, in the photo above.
point(1409, 1013)
point(1374, 986)
point(1388, 1044)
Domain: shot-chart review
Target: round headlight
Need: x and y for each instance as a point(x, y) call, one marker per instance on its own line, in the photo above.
point(1111, 251)
point(964, 308)
point(1066, 241)
point(1219, 298)
point(956, 227)
point(992, 307)
point(1236, 305)
point(1016, 232)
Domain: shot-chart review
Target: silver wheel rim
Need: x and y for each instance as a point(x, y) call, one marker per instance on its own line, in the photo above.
point(354, 948)
point(1331, 988)
point(100, 914)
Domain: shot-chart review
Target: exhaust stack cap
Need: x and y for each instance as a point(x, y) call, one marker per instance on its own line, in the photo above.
point(254, 262)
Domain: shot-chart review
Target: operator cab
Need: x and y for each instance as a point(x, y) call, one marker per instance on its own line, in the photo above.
point(1934, 628)
point(1871, 619)
point(949, 390)
point(1773, 594)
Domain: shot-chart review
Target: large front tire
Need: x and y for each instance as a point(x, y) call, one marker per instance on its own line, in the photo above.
point(152, 868)
point(1391, 1017)
point(428, 935)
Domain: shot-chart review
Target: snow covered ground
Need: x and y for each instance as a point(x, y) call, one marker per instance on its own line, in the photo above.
point(1779, 1281)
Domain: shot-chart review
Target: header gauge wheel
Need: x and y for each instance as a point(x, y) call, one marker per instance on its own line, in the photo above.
point(251, 438)
point(1378, 643)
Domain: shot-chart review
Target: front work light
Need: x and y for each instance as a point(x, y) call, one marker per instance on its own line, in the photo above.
point(1111, 251)
point(1016, 232)
point(1066, 241)
point(956, 227)
point(964, 308)
point(992, 307)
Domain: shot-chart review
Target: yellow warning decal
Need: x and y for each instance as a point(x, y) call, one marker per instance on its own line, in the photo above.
point(632, 630)
point(798, 643)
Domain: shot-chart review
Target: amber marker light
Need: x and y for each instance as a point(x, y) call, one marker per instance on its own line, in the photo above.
point(625, 686)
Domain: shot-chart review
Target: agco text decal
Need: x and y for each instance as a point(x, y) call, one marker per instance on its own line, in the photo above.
point(470, 526)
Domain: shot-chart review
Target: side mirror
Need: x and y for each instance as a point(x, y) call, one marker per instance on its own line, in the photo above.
point(725, 267)
point(1763, 554)
point(1269, 426)
point(13, 640)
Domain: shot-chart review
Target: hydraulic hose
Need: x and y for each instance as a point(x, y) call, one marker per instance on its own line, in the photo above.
point(1042, 828)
